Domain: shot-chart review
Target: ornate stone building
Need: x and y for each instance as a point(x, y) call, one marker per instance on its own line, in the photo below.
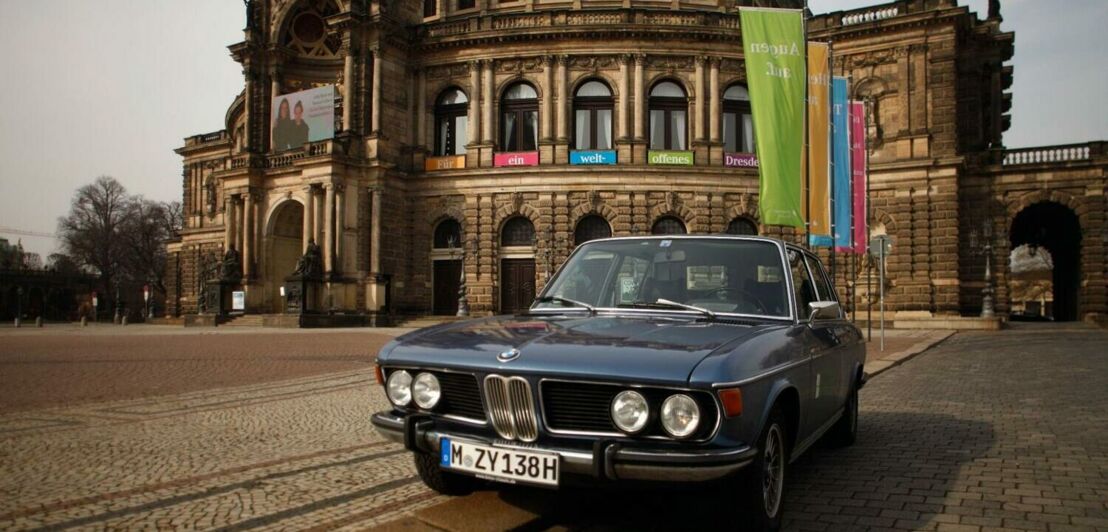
point(489, 137)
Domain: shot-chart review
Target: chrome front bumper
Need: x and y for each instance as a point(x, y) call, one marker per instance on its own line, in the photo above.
point(608, 460)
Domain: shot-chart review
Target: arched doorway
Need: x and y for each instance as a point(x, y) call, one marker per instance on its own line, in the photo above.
point(517, 265)
point(286, 245)
point(1052, 227)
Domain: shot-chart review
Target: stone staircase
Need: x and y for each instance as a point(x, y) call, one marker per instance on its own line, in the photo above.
point(245, 320)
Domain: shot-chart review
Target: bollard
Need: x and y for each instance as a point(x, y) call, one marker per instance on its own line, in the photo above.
point(123, 320)
point(38, 322)
point(17, 323)
point(84, 321)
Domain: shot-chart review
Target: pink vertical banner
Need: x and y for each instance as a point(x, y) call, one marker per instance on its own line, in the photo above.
point(858, 176)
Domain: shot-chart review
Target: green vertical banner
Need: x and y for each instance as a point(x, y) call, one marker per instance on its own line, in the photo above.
point(773, 47)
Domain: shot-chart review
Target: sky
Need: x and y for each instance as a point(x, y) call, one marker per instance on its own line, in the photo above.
point(112, 87)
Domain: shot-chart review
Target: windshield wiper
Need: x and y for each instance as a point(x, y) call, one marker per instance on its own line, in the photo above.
point(564, 301)
point(672, 304)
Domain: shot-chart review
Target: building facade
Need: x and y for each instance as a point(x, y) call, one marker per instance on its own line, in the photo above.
point(478, 141)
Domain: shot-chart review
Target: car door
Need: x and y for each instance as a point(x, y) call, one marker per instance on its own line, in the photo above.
point(817, 343)
point(828, 332)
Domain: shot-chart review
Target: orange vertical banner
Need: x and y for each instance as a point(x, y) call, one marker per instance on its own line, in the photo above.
point(819, 144)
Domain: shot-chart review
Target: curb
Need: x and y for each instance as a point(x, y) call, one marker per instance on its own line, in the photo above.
point(878, 367)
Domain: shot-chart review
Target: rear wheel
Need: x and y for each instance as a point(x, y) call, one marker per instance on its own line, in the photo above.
point(763, 491)
point(441, 481)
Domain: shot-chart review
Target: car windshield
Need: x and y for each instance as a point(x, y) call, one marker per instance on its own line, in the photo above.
point(718, 275)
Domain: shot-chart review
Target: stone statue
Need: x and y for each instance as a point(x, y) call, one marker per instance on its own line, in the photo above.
point(232, 266)
point(310, 266)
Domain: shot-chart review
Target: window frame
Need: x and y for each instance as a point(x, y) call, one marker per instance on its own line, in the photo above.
point(464, 5)
point(592, 104)
point(668, 104)
point(666, 217)
point(738, 108)
point(449, 112)
point(519, 107)
point(577, 228)
point(743, 219)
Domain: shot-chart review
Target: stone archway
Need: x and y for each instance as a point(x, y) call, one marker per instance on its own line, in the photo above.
point(1054, 227)
point(285, 236)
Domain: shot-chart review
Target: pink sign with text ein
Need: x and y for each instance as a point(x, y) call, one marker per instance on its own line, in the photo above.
point(522, 158)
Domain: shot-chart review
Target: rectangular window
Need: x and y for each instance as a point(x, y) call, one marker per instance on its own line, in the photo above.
point(748, 133)
point(583, 130)
point(530, 141)
point(604, 129)
point(430, 8)
point(657, 130)
point(466, 4)
point(730, 137)
point(510, 141)
point(461, 132)
point(677, 125)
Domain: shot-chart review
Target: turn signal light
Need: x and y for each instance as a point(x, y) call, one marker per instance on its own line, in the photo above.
point(379, 373)
point(732, 399)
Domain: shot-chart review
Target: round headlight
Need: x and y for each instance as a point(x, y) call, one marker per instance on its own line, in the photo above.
point(630, 411)
point(426, 391)
point(680, 415)
point(399, 388)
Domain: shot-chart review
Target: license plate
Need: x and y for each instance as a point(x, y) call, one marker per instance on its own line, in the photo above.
point(503, 465)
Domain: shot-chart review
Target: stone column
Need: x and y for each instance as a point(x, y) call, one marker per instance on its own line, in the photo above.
point(309, 218)
point(563, 96)
point(474, 126)
point(640, 96)
point(347, 89)
point(375, 231)
point(340, 226)
point(548, 97)
point(486, 102)
point(255, 234)
point(317, 223)
point(624, 97)
point(228, 222)
point(714, 110)
point(328, 226)
point(375, 122)
point(247, 234)
point(421, 109)
point(698, 111)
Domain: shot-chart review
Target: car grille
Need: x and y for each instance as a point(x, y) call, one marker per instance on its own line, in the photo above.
point(511, 407)
point(460, 396)
point(585, 407)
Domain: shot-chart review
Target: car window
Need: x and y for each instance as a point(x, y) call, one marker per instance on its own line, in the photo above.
point(802, 283)
point(722, 275)
point(824, 290)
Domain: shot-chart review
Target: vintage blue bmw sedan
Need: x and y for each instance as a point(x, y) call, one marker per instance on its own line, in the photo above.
point(672, 358)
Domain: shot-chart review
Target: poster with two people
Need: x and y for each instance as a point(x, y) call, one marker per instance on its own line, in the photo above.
point(303, 117)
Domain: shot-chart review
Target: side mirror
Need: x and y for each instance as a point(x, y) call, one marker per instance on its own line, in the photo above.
point(823, 310)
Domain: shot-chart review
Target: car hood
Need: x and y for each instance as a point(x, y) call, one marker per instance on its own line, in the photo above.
point(640, 348)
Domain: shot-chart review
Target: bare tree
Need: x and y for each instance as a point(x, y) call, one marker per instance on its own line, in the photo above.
point(144, 232)
point(90, 233)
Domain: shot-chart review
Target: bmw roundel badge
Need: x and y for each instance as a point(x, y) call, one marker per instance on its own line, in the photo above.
point(508, 356)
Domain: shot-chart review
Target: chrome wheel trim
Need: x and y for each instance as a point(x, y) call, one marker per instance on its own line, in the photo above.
point(773, 471)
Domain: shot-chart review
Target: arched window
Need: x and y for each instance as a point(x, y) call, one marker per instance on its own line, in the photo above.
point(519, 118)
point(591, 227)
point(448, 234)
point(592, 116)
point(306, 32)
point(518, 231)
point(668, 225)
point(741, 226)
point(738, 122)
point(668, 109)
point(451, 122)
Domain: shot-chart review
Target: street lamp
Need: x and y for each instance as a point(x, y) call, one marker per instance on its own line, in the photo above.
point(988, 309)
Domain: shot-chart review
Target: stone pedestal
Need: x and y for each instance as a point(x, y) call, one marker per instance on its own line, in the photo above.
point(303, 296)
point(217, 297)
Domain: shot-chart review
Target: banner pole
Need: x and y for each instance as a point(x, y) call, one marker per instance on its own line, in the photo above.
point(807, 188)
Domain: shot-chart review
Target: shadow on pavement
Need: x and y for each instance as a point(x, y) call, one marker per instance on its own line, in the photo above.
point(899, 460)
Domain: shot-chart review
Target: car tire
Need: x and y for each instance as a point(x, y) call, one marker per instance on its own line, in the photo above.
point(441, 481)
point(845, 431)
point(763, 490)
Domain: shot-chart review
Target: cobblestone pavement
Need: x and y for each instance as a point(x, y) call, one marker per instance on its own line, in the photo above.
point(986, 430)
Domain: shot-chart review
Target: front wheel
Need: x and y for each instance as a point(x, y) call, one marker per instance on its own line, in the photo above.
point(441, 481)
point(764, 482)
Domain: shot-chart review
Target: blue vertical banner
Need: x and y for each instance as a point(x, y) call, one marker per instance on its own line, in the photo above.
point(840, 163)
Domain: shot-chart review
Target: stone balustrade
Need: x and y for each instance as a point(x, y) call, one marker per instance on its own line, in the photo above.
point(1049, 154)
point(872, 15)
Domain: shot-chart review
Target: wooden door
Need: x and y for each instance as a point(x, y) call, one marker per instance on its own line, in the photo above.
point(446, 284)
point(517, 285)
